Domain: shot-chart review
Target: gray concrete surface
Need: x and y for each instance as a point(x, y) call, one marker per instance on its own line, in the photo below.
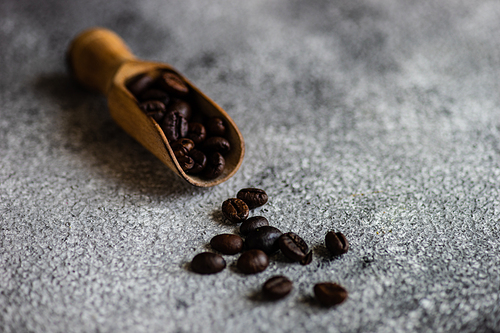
point(380, 119)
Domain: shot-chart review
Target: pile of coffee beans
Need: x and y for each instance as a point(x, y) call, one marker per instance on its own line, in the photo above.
point(199, 142)
point(262, 240)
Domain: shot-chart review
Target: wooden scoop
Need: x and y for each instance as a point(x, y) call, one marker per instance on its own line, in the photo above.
point(101, 61)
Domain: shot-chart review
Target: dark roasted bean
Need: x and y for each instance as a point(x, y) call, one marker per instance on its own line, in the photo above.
point(196, 132)
point(329, 294)
point(253, 223)
point(208, 263)
point(307, 259)
point(155, 109)
point(183, 143)
point(292, 246)
point(264, 238)
point(183, 108)
point(254, 197)
point(155, 95)
point(277, 287)
point(174, 126)
point(172, 83)
point(215, 166)
point(215, 126)
point(227, 243)
point(218, 144)
point(235, 210)
point(336, 243)
point(253, 261)
point(185, 162)
point(139, 84)
point(200, 161)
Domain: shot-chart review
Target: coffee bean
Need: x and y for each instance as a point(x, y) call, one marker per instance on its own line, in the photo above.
point(227, 243)
point(155, 95)
point(174, 126)
point(254, 197)
point(264, 238)
point(183, 108)
point(196, 132)
point(185, 162)
point(218, 144)
point(215, 126)
point(215, 166)
point(139, 83)
point(172, 83)
point(277, 287)
point(155, 109)
point(184, 144)
point(307, 259)
point(292, 246)
point(200, 161)
point(336, 243)
point(329, 294)
point(208, 263)
point(252, 261)
point(235, 210)
point(253, 223)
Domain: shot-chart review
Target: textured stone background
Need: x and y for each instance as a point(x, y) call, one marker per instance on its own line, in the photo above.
point(377, 118)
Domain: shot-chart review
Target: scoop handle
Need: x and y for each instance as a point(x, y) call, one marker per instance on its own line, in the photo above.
point(95, 55)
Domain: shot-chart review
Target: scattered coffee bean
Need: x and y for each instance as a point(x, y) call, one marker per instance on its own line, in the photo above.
point(200, 161)
point(277, 287)
point(174, 126)
point(183, 108)
point(196, 132)
point(252, 261)
point(215, 126)
point(227, 243)
point(253, 197)
point(235, 210)
point(208, 263)
point(307, 259)
point(264, 238)
point(218, 144)
point(253, 223)
point(173, 84)
point(292, 246)
point(329, 294)
point(155, 109)
point(336, 243)
point(155, 95)
point(138, 84)
point(215, 166)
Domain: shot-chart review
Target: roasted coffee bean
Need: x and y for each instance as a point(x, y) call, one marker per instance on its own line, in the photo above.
point(264, 238)
point(184, 143)
point(277, 287)
point(253, 223)
point(336, 243)
point(183, 108)
point(155, 95)
point(139, 84)
point(252, 261)
point(227, 243)
point(307, 259)
point(196, 132)
point(200, 161)
point(215, 126)
point(218, 144)
point(329, 294)
point(208, 263)
point(215, 166)
point(185, 162)
point(292, 246)
point(172, 83)
point(254, 197)
point(174, 126)
point(155, 109)
point(235, 210)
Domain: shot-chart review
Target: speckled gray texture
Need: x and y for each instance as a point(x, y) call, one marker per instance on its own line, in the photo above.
point(380, 119)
